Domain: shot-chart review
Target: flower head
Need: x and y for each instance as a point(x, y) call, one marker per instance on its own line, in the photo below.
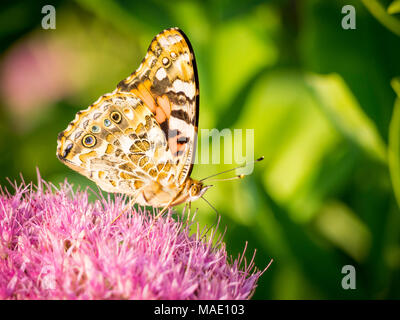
point(55, 244)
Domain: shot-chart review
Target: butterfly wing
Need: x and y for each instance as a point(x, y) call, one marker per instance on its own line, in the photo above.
point(141, 138)
point(167, 83)
point(118, 144)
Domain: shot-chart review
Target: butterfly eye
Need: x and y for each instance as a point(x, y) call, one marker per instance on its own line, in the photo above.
point(116, 117)
point(89, 140)
point(173, 55)
point(95, 129)
point(194, 190)
point(107, 122)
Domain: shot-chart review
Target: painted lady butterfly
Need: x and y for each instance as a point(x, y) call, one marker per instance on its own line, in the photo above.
point(140, 139)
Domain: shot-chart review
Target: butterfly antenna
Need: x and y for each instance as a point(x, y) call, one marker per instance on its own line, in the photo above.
point(229, 170)
point(240, 176)
point(217, 215)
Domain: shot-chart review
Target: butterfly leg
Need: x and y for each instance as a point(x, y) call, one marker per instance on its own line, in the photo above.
point(189, 210)
point(160, 214)
point(162, 211)
point(130, 205)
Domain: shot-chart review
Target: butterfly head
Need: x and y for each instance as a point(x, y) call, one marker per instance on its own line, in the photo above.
point(197, 189)
point(192, 190)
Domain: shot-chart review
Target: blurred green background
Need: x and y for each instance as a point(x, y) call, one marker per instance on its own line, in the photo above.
point(321, 99)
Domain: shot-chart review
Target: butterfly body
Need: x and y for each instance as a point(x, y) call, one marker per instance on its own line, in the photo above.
point(141, 138)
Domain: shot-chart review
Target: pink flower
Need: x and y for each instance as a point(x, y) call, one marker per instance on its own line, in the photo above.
point(35, 73)
point(55, 244)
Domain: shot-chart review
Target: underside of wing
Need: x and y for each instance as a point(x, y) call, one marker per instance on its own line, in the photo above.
point(118, 144)
point(167, 83)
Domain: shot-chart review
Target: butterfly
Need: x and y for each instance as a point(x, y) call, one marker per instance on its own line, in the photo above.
point(140, 140)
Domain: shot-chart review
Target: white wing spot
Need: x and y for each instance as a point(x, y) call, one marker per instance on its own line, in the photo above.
point(186, 87)
point(129, 113)
point(161, 74)
point(163, 42)
point(126, 143)
point(174, 39)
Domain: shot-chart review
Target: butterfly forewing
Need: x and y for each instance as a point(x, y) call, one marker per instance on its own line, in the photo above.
point(167, 82)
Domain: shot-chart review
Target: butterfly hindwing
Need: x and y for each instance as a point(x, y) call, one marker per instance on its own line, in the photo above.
point(126, 148)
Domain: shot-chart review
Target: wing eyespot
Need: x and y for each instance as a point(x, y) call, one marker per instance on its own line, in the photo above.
point(116, 117)
point(89, 141)
point(166, 62)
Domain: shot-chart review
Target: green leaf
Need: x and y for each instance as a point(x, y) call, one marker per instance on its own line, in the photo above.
point(295, 138)
point(129, 17)
point(394, 7)
point(394, 142)
point(338, 223)
point(394, 150)
point(379, 12)
point(345, 113)
point(396, 85)
point(247, 54)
